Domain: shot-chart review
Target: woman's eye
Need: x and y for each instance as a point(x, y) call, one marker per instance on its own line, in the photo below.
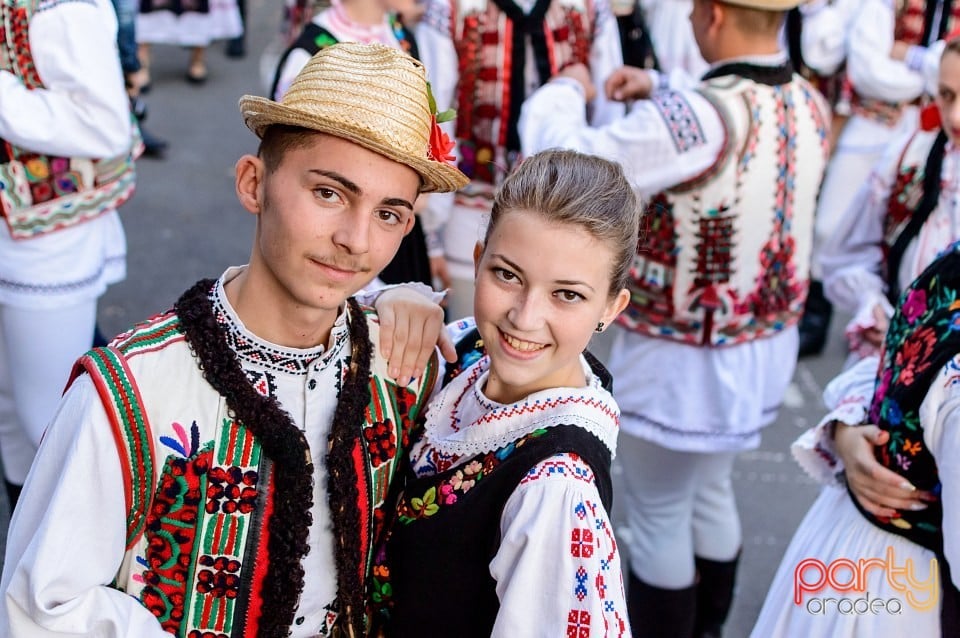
point(569, 295)
point(504, 275)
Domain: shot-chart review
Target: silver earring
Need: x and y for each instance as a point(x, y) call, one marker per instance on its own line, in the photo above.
point(599, 327)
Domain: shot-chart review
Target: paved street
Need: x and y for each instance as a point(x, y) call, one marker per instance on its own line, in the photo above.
point(184, 223)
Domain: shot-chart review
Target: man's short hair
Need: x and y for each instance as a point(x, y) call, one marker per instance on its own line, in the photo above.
point(278, 140)
point(759, 21)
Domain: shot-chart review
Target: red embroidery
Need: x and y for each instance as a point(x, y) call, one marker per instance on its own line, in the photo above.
point(578, 624)
point(581, 543)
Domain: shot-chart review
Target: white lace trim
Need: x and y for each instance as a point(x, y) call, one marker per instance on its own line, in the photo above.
point(463, 422)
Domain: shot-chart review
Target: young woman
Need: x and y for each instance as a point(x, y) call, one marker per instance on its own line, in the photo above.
point(503, 527)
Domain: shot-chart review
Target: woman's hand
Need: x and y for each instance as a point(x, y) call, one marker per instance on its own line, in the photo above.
point(411, 326)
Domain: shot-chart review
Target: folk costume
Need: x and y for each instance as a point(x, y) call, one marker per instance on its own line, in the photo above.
point(733, 168)
point(885, 92)
point(188, 23)
point(503, 523)
point(216, 482)
point(672, 36)
point(915, 396)
point(483, 58)
point(66, 144)
point(899, 222)
point(211, 483)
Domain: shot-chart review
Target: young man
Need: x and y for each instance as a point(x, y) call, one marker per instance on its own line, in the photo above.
point(65, 166)
point(706, 348)
point(221, 469)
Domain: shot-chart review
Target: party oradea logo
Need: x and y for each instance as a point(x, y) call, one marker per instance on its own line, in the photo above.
point(841, 586)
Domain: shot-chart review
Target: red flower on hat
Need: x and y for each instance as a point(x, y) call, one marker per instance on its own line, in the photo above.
point(441, 146)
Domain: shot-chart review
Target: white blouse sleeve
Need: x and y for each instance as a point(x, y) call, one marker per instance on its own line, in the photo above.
point(83, 109)
point(823, 39)
point(606, 56)
point(873, 72)
point(940, 417)
point(848, 398)
point(852, 257)
point(654, 154)
point(558, 567)
point(68, 535)
point(292, 66)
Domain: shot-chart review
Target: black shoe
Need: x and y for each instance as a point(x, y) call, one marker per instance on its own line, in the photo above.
point(815, 322)
point(152, 146)
point(236, 48)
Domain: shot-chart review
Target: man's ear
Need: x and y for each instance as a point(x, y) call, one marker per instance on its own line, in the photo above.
point(718, 15)
point(250, 172)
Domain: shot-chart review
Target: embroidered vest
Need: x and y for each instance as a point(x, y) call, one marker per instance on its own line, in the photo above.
point(466, 503)
point(924, 334)
point(205, 499)
point(313, 38)
point(490, 37)
point(42, 193)
point(914, 21)
point(723, 259)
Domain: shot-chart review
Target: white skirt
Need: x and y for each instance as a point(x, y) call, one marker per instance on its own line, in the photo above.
point(844, 594)
point(191, 29)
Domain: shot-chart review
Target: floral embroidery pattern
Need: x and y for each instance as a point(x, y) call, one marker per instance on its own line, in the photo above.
point(231, 490)
point(449, 490)
point(221, 578)
point(381, 442)
point(921, 338)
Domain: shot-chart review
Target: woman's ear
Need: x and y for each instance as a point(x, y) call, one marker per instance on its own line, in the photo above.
point(250, 173)
point(615, 306)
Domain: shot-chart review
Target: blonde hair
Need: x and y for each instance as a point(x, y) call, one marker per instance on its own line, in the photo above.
point(567, 187)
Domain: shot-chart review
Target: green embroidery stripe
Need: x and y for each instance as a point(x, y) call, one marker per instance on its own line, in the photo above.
point(135, 434)
point(152, 335)
point(31, 221)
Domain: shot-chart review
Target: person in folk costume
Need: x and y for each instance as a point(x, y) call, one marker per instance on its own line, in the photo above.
point(222, 468)
point(901, 558)
point(66, 163)
point(816, 37)
point(907, 215)
point(483, 58)
point(893, 50)
point(673, 41)
point(186, 23)
point(733, 168)
point(366, 21)
point(508, 484)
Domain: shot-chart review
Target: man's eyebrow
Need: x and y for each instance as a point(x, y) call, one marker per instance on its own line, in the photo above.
point(356, 190)
point(346, 183)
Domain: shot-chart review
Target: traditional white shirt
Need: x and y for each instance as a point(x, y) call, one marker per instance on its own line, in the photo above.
point(556, 497)
point(335, 20)
point(672, 36)
point(852, 259)
point(57, 565)
point(823, 39)
point(82, 111)
point(873, 73)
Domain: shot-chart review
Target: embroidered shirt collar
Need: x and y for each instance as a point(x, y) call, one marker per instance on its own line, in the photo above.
point(463, 421)
point(261, 353)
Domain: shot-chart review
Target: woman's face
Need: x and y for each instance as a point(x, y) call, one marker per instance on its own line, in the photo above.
point(542, 288)
point(947, 91)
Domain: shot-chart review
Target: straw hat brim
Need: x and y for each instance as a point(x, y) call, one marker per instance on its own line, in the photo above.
point(766, 5)
point(259, 113)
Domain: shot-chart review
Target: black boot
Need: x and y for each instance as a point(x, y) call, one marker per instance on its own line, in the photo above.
point(237, 47)
point(714, 595)
point(13, 494)
point(815, 321)
point(660, 613)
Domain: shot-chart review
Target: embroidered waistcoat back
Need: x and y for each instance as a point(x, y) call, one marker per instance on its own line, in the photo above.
point(42, 193)
point(723, 259)
point(483, 35)
point(200, 493)
point(921, 339)
point(907, 188)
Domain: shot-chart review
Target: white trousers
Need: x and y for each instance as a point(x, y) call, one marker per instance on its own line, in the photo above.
point(37, 351)
point(678, 504)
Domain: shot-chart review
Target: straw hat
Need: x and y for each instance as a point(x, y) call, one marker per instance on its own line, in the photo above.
point(766, 5)
point(373, 95)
